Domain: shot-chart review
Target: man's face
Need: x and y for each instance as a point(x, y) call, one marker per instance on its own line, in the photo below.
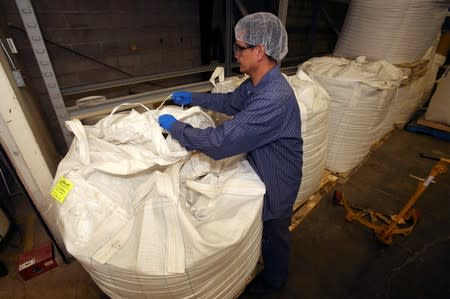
point(245, 56)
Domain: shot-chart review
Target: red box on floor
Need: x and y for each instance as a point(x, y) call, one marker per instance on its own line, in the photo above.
point(37, 261)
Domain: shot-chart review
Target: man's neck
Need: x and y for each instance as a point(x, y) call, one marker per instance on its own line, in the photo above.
point(261, 71)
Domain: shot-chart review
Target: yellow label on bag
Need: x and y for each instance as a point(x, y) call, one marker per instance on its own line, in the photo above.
point(61, 189)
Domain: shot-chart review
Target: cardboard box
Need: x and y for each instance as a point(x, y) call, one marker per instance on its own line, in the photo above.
point(37, 261)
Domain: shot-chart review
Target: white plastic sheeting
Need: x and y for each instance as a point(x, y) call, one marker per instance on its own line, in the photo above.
point(148, 219)
point(439, 107)
point(360, 94)
point(313, 101)
point(436, 62)
point(398, 31)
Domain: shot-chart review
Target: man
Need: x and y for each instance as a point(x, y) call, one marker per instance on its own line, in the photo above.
point(266, 126)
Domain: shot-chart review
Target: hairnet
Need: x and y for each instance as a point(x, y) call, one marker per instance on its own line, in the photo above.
point(263, 28)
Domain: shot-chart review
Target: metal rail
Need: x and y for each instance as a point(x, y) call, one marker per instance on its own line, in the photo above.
point(135, 80)
point(146, 98)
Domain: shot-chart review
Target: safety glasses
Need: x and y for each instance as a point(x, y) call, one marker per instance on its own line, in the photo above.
point(239, 48)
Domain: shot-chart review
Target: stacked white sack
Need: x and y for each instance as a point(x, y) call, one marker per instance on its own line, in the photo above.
point(404, 104)
point(148, 219)
point(397, 31)
point(313, 102)
point(360, 94)
point(412, 92)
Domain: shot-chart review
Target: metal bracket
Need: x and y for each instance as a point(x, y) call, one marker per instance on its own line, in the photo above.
point(16, 72)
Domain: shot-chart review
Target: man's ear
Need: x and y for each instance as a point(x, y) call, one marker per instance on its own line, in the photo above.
point(260, 51)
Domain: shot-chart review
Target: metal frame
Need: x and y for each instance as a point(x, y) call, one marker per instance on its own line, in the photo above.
point(228, 36)
point(135, 80)
point(282, 10)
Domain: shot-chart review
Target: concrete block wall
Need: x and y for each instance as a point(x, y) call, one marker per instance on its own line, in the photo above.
point(138, 37)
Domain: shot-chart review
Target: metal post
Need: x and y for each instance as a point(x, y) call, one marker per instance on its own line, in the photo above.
point(228, 36)
point(40, 52)
point(282, 10)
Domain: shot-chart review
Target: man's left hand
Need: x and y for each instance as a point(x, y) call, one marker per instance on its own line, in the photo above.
point(166, 121)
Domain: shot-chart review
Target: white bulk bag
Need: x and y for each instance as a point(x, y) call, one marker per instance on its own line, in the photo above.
point(360, 93)
point(411, 93)
point(313, 102)
point(404, 103)
point(146, 218)
point(398, 31)
point(222, 84)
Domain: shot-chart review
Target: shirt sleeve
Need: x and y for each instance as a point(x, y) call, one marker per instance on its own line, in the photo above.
point(257, 125)
point(228, 103)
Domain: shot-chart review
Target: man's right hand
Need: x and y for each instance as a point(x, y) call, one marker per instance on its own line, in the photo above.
point(182, 97)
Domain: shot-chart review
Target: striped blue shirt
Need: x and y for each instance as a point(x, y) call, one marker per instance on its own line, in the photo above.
point(266, 125)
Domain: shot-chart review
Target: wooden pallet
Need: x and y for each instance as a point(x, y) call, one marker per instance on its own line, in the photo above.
point(434, 125)
point(431, 128)
point(301, 210)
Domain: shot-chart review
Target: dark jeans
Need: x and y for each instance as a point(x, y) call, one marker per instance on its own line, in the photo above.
point(276, 247)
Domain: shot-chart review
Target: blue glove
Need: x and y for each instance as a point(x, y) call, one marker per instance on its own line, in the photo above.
point(182, 97)
point(166, 121)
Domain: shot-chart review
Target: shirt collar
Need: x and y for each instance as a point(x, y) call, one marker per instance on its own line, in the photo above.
point(267, 78)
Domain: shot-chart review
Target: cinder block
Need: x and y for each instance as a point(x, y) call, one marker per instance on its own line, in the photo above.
point(66, 80)
point(90, 20)
point(59, 36)
point(91, 6)
point(93, 50)
point(73, 65)
point(98, 75)
point(51, 20)
point(9, 7)
point(116, 48)
point(124, 6)
point(128, 60)
point(15, 19)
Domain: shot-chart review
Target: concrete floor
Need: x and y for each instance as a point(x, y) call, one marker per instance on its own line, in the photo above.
point(331, 258)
